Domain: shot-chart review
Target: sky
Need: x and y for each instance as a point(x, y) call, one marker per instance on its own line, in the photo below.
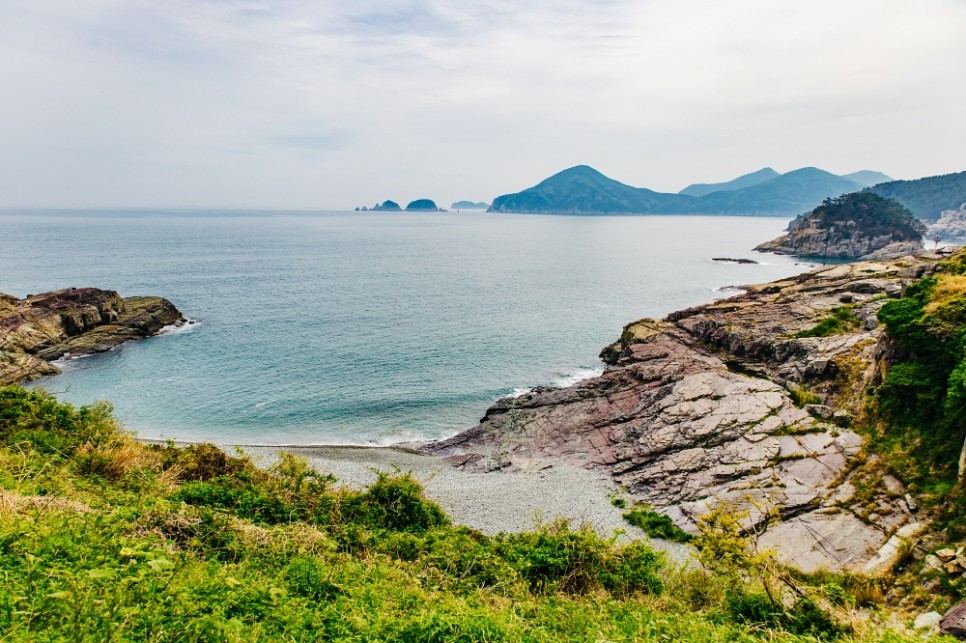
point(316, 104)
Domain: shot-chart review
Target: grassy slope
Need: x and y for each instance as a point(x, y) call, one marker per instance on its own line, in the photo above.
point(103, 538)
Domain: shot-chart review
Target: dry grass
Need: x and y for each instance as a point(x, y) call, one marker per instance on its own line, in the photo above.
point(948, 288)
point(12, 502)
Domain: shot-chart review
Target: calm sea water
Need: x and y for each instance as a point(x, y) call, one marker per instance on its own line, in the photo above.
point(341, 327)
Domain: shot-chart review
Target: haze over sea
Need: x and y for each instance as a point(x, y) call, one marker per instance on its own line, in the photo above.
point(374, 328)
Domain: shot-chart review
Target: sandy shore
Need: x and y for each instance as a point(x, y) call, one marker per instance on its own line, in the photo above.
point(489, 502)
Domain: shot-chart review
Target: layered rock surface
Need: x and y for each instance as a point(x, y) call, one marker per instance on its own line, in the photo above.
point(731, 402)
point(72, 322)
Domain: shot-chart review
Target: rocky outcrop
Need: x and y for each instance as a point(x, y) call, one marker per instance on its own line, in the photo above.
point(950, 227)
point(854, 226)
point(72, 322)
point(733, 402)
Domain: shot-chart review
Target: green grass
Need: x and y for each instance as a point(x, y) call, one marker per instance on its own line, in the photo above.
point(841, 320)
point(103, 538)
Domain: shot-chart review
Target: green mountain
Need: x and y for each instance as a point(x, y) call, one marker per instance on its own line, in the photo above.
point(744, 181)
point(791, 193)
point(584, 190)
point(865, 178)
point(927, 197)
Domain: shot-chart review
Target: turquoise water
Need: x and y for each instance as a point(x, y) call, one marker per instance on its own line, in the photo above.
point(341, 327)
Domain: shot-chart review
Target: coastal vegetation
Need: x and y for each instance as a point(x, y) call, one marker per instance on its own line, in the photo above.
point(107, 538)
point(928, 197)
point(920, 407)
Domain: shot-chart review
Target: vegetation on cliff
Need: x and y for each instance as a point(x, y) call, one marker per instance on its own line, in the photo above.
point(105, 538)
point(920, 406)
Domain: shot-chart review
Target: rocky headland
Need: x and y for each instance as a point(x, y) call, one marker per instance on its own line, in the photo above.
point(747, 401)
point(860, 225)
point(72, 322)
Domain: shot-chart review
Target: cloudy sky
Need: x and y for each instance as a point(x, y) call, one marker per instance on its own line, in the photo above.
point(329, 105)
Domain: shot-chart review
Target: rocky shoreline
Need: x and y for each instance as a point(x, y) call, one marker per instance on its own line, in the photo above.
point(742, 401)
point(72, 322)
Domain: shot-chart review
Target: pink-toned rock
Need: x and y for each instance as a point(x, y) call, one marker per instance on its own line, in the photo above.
point(697, 409)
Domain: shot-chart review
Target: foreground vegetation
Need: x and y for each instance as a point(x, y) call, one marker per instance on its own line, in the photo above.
point(103, 538)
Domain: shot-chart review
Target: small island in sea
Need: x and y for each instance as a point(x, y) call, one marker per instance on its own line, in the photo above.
point(469, 205)
point(419, 205)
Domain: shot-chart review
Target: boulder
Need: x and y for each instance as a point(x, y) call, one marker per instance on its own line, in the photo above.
point(953, 623)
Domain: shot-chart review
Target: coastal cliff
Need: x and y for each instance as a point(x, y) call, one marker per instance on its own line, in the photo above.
point(72, 322)
point(748, 401)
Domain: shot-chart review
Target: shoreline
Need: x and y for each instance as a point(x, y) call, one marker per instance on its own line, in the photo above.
point(491, 502)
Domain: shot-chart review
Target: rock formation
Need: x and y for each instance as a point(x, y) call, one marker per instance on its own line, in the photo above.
point(72, 322)
point(950, 227)
point(861, 225)
point(741, 401)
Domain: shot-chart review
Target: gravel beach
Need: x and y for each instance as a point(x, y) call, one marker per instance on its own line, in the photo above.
point(489, 502)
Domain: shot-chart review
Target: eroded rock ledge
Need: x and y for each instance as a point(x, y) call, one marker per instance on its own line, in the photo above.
point(731, 402)
point(72, 322)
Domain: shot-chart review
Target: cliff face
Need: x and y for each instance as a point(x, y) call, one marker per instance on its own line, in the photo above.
point(745, 401)
point(75, 321)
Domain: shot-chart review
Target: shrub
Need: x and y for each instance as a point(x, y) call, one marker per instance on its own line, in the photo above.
point(395, 503)
point(656, 525)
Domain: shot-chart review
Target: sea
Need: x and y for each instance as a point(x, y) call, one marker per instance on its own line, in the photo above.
point(363, 327)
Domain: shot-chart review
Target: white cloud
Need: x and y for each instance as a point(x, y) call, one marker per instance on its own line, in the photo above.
point(330, 105)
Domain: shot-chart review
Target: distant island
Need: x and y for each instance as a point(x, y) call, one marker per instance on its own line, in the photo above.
point(423, 205)
point(419, 205)
point(469, 205)
point(584, 190)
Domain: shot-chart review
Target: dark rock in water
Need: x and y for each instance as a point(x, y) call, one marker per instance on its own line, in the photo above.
point(704, 407)
point(422, 205)
point(954, 622)
point(861, 225)
point(72, 322)
point(730, 260)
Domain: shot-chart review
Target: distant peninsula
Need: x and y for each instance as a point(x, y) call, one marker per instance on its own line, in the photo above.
point(584, 190)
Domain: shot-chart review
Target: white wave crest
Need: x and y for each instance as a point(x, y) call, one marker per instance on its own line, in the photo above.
point(180, 326)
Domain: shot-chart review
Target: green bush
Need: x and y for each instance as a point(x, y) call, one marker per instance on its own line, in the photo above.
point(395, 503)
point(656, 525)
point(556, 558)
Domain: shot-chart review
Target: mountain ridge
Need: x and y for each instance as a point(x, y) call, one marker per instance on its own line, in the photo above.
point(584, 190)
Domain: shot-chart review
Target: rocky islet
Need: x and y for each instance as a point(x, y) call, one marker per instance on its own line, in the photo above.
point(72, 322)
